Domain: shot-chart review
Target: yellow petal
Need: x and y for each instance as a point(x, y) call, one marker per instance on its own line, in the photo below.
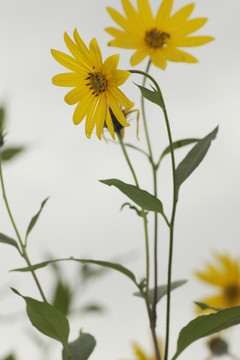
point(119, 77)
point(67, 61)
point(187, 57)
point(76, 94)
point(192, 41)
point(145, 13)
point(140, 354)
point(119, 96)
point(91, 116)
point(124, 43)
point(95, 55)
point(116, 109)
point(67, 79)
point(82, 109)
point(109, 124)
point(75, 51)
point(131, 13)
point(189, 27)
point(110, 64)
point(101, 115)
point(139, 56)
point(163, 13)
point(172, 54)
point(118, 18)
point(159, 60)
point(180, 16)
point(82, 47)
point(117, 33)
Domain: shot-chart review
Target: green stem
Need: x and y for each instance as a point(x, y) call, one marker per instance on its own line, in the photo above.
point(23, 248)
point(145, 295)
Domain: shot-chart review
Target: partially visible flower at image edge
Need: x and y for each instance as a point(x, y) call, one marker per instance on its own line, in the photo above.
point(95, 85)
point(225, 276)
point(140, 354)
point(157, 37)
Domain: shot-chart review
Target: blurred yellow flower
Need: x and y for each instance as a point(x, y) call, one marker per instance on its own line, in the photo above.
point(95, 85)
point(157, 37)
point(140, 354)
point(225, 276)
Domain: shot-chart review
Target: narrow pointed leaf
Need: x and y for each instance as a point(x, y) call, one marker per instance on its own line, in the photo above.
point(7, 240)
point(204, 306)
point(35, 218)
point(141, 197)
point(48, 320)
point(177, 145)
point(10, 152)
point(139, 212)
point(152, 96)
point(81, 348)
point(2, 118)
point(206, 325)
point(162, 290)
point(194, 158)
point(106, 264)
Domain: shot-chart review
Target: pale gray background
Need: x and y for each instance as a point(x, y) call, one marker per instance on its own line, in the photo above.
point(82, 217)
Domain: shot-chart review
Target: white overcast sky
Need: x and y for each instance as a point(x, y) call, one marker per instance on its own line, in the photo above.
point(82, 217)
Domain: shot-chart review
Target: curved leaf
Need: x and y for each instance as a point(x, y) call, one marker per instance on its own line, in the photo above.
point(7, 240)
point(152, 96)
point(10, 152)
point(81, 348)
point(35, 218)
point(177, 145)
point(206, 325)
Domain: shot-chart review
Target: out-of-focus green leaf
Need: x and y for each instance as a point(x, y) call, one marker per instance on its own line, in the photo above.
point(81, 348)
point(9, 153)
point(10, 357)
point(92, 308)
point(162, 290)
point(206, 325)
point(35, 218)
point(177, 145)
point(7, 240)
point(205, 306)
point(141, 197)
point(62, 297)
point(106, 264)
point(2, 118)
point(139, 212)
point(152, 96)
point(194, 158)
point(48, 320)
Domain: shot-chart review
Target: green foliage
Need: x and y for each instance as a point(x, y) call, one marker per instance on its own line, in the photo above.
point(141, 197)
point(206, 325)
point(153, 96)
point(92, 308)
point(177, 145)
point(205, 306)
point(62, 297)
point(35, 218)
point(194, 158)
point(139, 212)
point(7, 240)
point(9, 357)
point(9, 153)
point(162, 290)
point(81, 348)
point(106, 264)
point(2, 119)
point(48, 320)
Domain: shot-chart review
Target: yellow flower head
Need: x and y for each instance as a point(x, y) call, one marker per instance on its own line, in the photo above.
point(140, 354)
point(157, 37)
point(95, 85)
point(225, 276)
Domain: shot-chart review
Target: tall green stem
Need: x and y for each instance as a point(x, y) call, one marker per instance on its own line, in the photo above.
point(146, 296)
point(23, 247)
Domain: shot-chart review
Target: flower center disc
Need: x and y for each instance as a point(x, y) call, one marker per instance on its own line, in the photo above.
point(231, 292)
point(97, 82)
point(155, 38)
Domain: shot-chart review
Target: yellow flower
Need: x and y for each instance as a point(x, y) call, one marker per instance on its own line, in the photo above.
point(225, 276)
point(95, 85)
point(157, 37)
point(140, 354)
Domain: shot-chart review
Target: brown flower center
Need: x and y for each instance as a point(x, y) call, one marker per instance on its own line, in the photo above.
point(97, 82)
point(156, 38)
point(231, 292)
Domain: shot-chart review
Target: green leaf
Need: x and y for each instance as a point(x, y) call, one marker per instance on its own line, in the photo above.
point(204, 306)
point(10, 357)
point(162, 290)
point(96, 308)
point(106, 264)
point(7, 240)
point(81, 348)
point(10, 152)
point(194, 158)
point(139, 212)
point(206, 325)
point(62, 297)
point(35, 218)
point(152, 96)
point(141, 197)
point(177, 145)
point(48, 320)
